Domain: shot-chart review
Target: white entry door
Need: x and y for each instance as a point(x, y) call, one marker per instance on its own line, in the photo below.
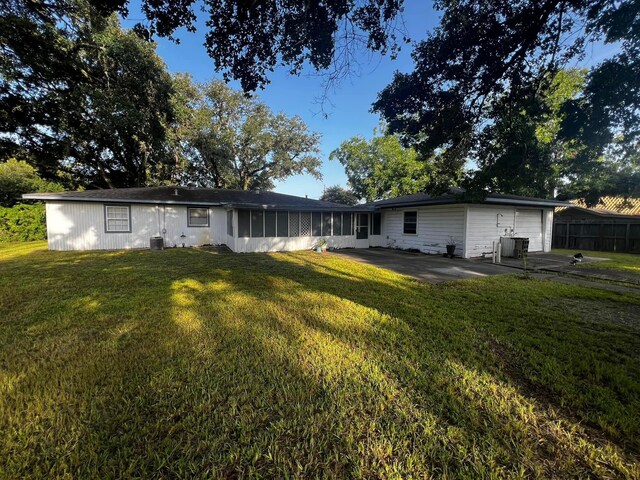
point(529, 224)
point(362, 230)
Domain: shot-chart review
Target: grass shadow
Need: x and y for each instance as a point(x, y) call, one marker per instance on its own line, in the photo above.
point(189, 364)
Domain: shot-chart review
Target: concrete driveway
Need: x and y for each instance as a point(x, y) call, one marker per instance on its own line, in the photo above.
point(428, 268)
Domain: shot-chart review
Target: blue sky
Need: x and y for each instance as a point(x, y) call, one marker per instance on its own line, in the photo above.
point(348, 114)
point(297, 95)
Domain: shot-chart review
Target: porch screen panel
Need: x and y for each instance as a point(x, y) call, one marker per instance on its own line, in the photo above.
point(337, 223)
point(326, 224)
point(270, 223)
point(347, 223)
point(257, 223)
point(305, 224)
point(377, 221)
point(294, 224)
point(316, 224)
point(282, 229)
point(244, 223)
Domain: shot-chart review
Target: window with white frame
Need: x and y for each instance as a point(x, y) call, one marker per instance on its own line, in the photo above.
point(410, 224)
point(198, 217)
point(117, 218)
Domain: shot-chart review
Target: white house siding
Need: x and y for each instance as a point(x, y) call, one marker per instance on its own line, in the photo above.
point(288, 244)
point(436, 224)
point(548, 228)
point(487, 223)
point(80, 226)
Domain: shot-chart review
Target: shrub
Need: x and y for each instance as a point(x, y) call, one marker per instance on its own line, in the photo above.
point(23, 222)
point(18, 177)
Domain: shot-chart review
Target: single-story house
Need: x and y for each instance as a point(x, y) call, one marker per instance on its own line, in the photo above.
point(260, 221)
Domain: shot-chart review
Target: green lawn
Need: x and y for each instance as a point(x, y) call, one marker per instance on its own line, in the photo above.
point(624, 262)
point(186, 363)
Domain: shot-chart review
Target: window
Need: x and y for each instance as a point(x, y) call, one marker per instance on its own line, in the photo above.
point(337, 224)
point(376, 220)
point(117, 218)
point(294, 224)
point(326, 224)
point(410, 225)
point(244, 223)
point(257, 223)
point(230, 223)
point(283, 224)
point(197, 217)
point(270, 223)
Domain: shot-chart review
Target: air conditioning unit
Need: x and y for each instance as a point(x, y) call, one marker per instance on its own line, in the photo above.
point(508, 246)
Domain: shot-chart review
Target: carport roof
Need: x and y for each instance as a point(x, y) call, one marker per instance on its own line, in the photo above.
point(196, 196)
point(456, 195)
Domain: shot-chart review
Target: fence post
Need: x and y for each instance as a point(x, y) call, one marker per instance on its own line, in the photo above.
point(626, 237)
point(566, 241)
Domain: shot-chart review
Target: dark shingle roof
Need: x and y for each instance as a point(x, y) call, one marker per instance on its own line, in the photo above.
point(455, 195)
point(195, 196)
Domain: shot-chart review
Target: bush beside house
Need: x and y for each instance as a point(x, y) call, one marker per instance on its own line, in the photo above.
point(22, 221)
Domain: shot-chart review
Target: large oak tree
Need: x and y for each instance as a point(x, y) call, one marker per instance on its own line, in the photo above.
point(234, 141)
point(81, 98)
point(487, 59)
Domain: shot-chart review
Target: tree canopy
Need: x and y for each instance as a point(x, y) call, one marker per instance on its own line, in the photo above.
point(246, 39)
point(82, 98)
point(381, 167)
point(237, 142)
point(18, 177)
point(97, 107)
point(487, 60)
point(337, 194)
point(521, 152)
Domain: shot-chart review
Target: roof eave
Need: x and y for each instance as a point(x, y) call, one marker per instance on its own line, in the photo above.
point(64, 198)
point(488, 200)
point(531, 203)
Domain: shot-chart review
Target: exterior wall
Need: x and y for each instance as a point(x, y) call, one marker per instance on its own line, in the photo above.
point(487, 223)
point(288, 244)
point(436, 224)
point(547, 235)
point(80, 226)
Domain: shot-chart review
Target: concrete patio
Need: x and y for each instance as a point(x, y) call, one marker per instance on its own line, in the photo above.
point(428, 268)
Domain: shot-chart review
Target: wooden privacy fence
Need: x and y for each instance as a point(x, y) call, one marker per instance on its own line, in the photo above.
point(607, 236)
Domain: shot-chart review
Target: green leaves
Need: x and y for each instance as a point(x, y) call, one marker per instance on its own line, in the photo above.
point(382, 167)
point(18, 177)
point(337, 194)
point(237, 142)
point(87, 98)
point(488, 62)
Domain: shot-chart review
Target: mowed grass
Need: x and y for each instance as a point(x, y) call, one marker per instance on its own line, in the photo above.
point(186, 363)
point(624, 262)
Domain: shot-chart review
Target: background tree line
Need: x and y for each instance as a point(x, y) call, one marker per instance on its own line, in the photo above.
point(490, 105)
point(88, 104)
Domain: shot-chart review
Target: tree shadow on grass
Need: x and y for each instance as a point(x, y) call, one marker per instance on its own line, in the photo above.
point(273, 365)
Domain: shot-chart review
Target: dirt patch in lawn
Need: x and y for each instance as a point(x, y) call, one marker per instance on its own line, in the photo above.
point(598, 312)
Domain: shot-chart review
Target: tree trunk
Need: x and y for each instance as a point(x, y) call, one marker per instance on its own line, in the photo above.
point(245, 182)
